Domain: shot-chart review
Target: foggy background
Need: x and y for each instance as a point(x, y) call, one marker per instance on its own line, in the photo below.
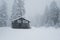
point(33, 8)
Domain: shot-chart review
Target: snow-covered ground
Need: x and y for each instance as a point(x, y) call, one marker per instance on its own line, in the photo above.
point(42, 33)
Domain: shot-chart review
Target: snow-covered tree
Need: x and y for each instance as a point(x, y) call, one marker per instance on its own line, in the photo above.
point(3, 14)
point(51, 15)
point(18, 9)
point(54, 12)
point(45, 16)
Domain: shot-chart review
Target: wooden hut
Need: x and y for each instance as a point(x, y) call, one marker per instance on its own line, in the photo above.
point(21, 23)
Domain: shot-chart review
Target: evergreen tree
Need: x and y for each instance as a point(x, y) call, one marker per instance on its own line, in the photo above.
point(46, 16)
point(18, 9)
point(54, 12)
point(3, 14)
point(51, 16)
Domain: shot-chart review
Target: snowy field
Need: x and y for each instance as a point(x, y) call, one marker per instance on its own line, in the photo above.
point(7, 33)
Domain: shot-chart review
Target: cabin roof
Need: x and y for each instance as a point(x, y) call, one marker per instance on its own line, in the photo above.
point(21, 18)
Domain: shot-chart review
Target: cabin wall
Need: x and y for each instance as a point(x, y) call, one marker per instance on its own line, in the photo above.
point(15, 24)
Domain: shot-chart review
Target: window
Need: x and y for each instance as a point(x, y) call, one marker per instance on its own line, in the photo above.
point(19, 21)
point(24, 21)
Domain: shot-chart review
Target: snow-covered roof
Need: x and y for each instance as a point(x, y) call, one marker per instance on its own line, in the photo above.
point(19, 18)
